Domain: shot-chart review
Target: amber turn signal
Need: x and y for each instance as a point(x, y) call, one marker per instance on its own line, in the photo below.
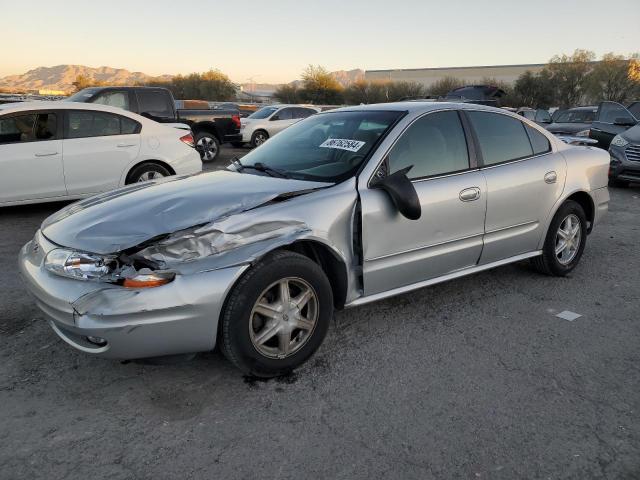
point(146, 281)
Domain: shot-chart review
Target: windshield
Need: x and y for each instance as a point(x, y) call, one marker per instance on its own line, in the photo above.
point(328, 147)
point(264, 112)
point(576, 116)
point(83, 95)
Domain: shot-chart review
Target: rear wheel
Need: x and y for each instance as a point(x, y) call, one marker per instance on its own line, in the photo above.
point(147, 171)
point(258, 138)
point(277, 315)
point(565, 241)
point(208, 146)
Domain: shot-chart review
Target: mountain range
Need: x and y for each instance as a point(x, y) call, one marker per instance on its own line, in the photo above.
point(61, 77)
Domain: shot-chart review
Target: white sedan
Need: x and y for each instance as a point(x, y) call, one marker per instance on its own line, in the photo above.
point(263, 124)
point(53, 151)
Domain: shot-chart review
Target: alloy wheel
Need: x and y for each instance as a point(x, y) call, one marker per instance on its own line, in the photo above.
point(150, 175)
point(207, 147)
point(568, 239)
point(283, 318)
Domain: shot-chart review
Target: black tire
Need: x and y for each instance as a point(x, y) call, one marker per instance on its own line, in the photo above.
point(235, 324)
point(151, 170)
point(258, 138)
point(208, 146)
point(237, 144)
point(614, 182)
point(548, 263)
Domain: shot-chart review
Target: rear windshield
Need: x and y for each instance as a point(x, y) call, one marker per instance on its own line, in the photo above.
point(327, 147)
point(576, 116)
point(264, 112)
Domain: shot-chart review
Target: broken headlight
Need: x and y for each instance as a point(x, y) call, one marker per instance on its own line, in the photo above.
point(80, 265)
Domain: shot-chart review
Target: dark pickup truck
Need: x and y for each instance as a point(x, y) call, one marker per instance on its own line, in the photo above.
point(210, 127)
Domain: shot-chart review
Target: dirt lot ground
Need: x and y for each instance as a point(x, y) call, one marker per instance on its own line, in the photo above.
point(475, 378)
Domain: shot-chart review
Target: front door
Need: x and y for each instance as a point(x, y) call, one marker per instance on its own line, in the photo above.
point(611, 119)
point(452, 192)
point(30, 157)
point(281, 119)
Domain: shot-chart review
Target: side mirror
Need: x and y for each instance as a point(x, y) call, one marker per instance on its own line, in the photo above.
point(402, 192)
point(624, 122)
point(274, 118)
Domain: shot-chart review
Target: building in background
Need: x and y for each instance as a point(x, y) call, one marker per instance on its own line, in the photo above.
point(468, 75)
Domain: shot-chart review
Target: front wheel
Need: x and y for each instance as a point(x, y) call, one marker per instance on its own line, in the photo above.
point(208, 146)
point(277, 315)
point(565, 241)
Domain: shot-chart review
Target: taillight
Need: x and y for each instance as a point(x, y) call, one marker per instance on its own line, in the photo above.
point(188, 139)
point(236, 119)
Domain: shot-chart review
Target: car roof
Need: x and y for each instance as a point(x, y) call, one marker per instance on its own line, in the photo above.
point(419, 107)
point(62, 105)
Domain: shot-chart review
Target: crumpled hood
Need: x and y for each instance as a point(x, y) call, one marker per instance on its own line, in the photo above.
point(121, 219)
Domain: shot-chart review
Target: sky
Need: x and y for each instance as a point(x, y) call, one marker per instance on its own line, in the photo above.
point(273, 41)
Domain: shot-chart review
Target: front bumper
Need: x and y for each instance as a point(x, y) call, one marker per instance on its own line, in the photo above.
point(621, 167)
point(180, 317)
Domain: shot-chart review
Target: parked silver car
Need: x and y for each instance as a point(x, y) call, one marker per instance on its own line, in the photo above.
point(344, 208)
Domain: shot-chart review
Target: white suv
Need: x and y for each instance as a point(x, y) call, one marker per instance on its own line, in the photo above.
point(258, 127)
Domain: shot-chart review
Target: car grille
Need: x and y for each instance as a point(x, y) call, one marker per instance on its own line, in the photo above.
point(633, 153)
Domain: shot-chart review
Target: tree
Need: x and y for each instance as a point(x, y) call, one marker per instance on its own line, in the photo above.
point(82, 81)
point(569, 75)
point(212, 85)
point(533, 90)
point(443, 86)
point(320, 87)
point(397, 91)
point(612, 78)
point(287, 93)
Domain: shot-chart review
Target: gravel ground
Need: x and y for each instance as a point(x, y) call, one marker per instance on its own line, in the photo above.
point(475, 378)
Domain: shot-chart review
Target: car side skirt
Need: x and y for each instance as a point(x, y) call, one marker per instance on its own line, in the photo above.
point(444, 278)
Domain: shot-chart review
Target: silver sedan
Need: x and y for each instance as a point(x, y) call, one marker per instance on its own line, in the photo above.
point(344, 208)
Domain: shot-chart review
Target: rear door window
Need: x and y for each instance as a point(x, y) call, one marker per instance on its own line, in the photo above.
point(501, 138)
point(86, 123)
point(119, 99)
point(155, 103)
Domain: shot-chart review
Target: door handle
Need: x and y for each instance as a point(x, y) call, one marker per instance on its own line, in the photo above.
point(470, 194)
point(122, 145)
point(550, 177)
point(45, 154)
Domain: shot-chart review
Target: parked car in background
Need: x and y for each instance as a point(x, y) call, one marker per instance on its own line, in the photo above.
point(478, 94)
point(625, 158)
point(573, 122)
point(53, 151)
point(540, 116)
point(342, 209)
point(258, 127)
point(210, 127)
point(612, 119)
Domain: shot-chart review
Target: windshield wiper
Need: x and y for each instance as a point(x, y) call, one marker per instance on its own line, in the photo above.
point(236, 161)
point(272, 172)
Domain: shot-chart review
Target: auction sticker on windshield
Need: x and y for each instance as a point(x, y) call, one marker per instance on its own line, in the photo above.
point(343, 144)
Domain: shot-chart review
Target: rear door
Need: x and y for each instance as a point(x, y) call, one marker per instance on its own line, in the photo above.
point(98, 146)
point(452, 193)
point(611, 119)
point(524, 180)
point(31, 156)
